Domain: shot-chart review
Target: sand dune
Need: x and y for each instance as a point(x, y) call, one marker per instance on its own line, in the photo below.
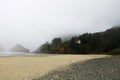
point(27, 68)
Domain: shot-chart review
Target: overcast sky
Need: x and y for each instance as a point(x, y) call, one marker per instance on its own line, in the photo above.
point(33, 22)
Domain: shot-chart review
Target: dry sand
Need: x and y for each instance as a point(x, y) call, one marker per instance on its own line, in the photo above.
point(27, 68)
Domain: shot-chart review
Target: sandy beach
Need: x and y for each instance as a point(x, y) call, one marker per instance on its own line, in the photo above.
point(28, 68)
point(107, 68)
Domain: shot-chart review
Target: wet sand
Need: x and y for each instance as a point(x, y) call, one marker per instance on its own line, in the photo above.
point(28, 68)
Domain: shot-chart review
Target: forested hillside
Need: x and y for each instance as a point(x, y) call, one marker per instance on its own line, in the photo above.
point(86, 43)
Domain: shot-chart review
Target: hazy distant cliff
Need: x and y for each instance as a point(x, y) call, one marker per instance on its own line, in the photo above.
point(19, 48)
point(1, 49)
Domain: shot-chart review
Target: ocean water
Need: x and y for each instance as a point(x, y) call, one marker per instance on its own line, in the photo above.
point(17, 54)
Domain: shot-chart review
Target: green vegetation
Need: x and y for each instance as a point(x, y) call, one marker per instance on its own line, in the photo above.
point(86, 43)
point(115, 51)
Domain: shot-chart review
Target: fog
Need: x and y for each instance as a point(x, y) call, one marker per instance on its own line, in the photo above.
point(33, 22)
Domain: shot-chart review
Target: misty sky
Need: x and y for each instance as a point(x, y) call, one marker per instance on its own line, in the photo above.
point(33, 22)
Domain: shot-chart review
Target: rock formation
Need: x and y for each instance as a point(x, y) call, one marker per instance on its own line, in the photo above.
point(19, 48)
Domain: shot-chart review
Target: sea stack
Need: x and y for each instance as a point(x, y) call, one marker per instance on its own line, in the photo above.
point(19, 48)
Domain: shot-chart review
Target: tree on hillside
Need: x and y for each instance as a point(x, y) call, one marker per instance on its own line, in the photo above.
point(56, 45)
point(56, 42)
point(86, 43)
point(45, 48)
point(110, 39)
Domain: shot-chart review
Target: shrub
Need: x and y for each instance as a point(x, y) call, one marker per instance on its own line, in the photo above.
point(115, 51)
